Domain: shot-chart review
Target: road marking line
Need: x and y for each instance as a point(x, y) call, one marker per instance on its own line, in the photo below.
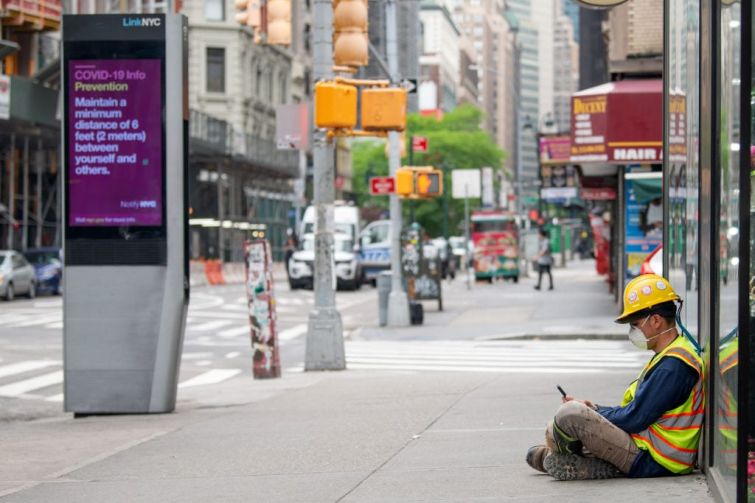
point(234, 332)
point(210, 325)
point(26, 366)
point(21, 387)
point(213, 376)
point(57, 324)
point(196, 356)
point(204, 363)
point(41, 320)
point(233, 354)
point(293, 332)
point(217, 315)
point(55, 398)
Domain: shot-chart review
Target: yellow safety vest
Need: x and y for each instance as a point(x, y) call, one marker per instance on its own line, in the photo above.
point(673, 439)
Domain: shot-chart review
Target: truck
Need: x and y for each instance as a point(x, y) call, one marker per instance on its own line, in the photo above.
point(495, 237)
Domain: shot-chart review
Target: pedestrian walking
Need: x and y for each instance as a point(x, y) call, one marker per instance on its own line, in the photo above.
point(656, 430)
point(291, 246)
point(544, 259)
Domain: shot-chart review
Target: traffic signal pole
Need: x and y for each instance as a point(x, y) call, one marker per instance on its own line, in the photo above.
point(324, 347)
point(398, 302)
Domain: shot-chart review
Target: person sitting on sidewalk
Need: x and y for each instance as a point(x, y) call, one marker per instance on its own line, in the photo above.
point(656, 430)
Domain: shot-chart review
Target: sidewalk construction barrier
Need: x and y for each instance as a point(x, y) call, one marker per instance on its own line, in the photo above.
point(261, 299)
point(422, 272)
point(197, 274)
point(214, 271)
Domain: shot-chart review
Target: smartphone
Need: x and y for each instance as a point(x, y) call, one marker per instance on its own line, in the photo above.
point(561, 390)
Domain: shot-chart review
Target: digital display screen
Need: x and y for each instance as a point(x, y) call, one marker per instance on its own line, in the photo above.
point(114, 133)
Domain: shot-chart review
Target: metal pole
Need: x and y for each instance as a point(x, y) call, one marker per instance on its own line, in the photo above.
point(324, 347)
point(25, 207)
point(39, 169)
point(398, 303)
point(466, 238)
point(445, 205)
point(11, 190)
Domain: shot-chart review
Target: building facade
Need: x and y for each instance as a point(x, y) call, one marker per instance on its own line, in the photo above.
point(439, 61)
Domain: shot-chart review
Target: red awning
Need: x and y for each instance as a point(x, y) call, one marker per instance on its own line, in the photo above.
point(618, 122)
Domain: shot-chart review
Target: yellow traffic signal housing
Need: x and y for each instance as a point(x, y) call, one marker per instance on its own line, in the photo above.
point(428, 182)
point(384, 109)
point(350, 40)
point(335, 105)
point(279, 22)
point(248, 12)
point(404, 182)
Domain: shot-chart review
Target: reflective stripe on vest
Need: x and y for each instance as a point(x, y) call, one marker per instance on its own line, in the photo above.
point(673, 439)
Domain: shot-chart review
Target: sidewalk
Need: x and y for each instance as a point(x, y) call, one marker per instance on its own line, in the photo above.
point(351, 436)
point(579, 306)
point(322, 437)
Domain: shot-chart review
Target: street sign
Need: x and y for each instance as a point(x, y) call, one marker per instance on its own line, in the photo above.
point(382, 185)
point(466, 183)
point(292, 126)
point(410, 85)
point(419, 143)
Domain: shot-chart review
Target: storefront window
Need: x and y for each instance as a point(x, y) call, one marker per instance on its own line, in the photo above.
point(726, 365)
point(682, 171)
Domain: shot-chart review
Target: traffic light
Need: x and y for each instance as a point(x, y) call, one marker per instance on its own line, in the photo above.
point(248, 12)
point(428, 182)
point(350, 40)
point(279, 22)
point(384, 109)
point(335, 105)
point(404, 182)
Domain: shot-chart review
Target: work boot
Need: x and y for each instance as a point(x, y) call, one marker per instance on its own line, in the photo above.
point(573, 467)
point(535, 456)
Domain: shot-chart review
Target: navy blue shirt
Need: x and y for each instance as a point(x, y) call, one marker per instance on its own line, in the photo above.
point(666, 387)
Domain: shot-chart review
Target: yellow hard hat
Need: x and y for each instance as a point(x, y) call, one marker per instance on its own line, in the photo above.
point(644, 292)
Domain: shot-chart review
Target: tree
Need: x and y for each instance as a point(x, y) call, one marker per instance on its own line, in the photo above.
point(454, 142)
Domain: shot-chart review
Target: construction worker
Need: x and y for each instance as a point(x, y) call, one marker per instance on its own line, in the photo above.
point(656, 430)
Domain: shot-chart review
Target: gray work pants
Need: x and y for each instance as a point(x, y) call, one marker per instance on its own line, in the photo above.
point(598, 435)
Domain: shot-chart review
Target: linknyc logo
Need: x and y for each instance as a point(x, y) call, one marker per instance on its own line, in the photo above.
point(141, 22)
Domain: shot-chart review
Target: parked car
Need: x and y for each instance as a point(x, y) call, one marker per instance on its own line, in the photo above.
point(375, 249)
point(48, 267)
point(457, 247)
point(348, 268)
point(16, 276)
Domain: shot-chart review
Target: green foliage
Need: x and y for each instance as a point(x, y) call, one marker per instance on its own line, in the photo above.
point(454, 142)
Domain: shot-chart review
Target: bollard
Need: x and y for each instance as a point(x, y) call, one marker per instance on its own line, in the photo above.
point(259, 292)
point(384, 292)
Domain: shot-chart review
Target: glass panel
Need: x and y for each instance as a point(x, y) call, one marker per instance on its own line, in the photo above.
point(215, 70)
point(726, 392)
point(683, 168)
point(214, 10)
point(751, 391)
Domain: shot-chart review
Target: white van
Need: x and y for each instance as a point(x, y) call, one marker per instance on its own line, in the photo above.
point(345, 218)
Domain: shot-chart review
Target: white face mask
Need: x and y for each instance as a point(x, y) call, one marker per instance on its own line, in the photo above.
point(639, 340)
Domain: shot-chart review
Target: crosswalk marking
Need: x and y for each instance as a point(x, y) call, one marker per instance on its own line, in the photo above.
point(210, 325)
point(293, 332)
point(213, 376)
point(502, 356)
point(234, 332)
point(34, 383)
point(27, 366)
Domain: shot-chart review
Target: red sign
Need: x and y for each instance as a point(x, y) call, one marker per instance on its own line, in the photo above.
point(382, 185)
point(555, 150)
point(419, 143)
point(598, 194)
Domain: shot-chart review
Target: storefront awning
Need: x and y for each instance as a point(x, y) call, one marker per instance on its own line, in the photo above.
point(618, 122)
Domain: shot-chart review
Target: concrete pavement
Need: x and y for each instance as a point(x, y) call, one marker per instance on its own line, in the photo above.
point(347, 436)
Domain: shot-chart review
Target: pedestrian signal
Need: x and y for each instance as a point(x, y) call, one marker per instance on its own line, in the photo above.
point(384, 109)
point(429, 182)
point(279, 22)
point(350, 41)
point(335, 105)
point(404, 182)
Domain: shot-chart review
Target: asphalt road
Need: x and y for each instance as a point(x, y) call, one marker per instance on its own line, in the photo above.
point(216, 345)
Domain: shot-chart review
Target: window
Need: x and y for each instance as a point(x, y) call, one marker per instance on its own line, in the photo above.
point(214, 10)
point(215, 70)
point(270, 88)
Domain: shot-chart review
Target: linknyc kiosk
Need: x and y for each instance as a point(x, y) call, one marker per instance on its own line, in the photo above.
point(125, 128)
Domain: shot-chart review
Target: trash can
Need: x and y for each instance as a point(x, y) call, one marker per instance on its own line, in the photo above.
point(384, 291)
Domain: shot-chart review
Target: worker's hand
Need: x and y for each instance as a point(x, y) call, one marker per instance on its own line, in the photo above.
point(569, 398)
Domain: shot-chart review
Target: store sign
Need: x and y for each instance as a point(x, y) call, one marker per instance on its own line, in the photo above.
point(677, 128)
point(598, 194)
point(4, 97)
point(558, 193)
point(555, 150)
point(589, 128)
